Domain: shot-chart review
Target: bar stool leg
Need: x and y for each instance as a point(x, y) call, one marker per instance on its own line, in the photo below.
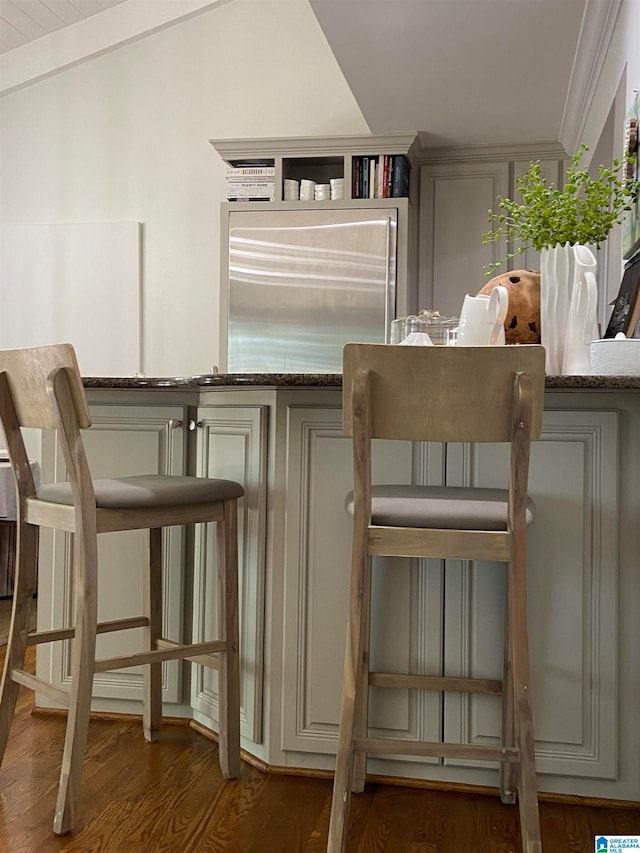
point(361, 726)
point(23, 592)
point(82, 668)
point(527, 784)
point(507, 772)
point(229, 680)
point(351, 700)
point(152, 712)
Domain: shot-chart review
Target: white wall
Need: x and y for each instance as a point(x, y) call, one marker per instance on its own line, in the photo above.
point(615, 89)
point(124, 137)
point(620, 71)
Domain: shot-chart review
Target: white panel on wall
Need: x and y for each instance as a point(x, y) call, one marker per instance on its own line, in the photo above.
point(74, 283)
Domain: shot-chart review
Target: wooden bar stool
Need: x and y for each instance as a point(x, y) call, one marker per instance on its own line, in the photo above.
point(440, 394)
point(42, 388)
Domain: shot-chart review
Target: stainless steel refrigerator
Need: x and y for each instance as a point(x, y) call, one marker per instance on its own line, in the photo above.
point(302, 283)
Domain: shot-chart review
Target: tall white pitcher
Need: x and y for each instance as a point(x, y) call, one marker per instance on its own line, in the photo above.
point(482, 319)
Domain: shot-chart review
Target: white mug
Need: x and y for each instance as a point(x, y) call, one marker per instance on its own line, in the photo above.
point(482, 319)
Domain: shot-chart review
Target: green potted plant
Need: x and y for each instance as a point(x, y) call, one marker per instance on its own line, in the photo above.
point(564, 225)
point(583, 212)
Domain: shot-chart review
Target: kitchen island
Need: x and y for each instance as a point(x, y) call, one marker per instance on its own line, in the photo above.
point(280, 434)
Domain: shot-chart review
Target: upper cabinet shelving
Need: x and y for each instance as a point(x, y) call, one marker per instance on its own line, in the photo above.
point(320, 169)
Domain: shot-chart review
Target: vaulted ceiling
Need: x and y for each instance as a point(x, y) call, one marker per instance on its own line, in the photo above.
point(22, 21)
point(470, 71)
point(476, 72)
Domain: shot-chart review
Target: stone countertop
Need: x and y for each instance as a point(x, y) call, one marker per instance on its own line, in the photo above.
point(320, 380)
point(592, 383)
point(218, 380)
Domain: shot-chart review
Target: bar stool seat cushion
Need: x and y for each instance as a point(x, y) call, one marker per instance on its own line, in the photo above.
point(440, 507)
point(147, 490)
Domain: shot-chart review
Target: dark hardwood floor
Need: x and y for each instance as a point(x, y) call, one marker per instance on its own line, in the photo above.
point(141, 798)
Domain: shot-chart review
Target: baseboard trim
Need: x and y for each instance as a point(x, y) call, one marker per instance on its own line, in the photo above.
point(426, 784)
point(376, 778)
point(114, 716)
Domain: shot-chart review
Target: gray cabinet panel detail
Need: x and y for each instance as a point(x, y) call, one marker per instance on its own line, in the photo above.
point(405, 593)
point(123, 440)
point(572, 580)
point(232, 442)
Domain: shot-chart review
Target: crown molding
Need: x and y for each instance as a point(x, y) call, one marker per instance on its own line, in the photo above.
point(405, 142)
point(408, 142)
point(549, 149)
point(598, 25)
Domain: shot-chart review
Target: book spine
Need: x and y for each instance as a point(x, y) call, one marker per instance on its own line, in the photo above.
point(251, 184)
point(365, 178)
point(385, 176)
point(355, 174)
point(249, 177)
point(250, 194)
point(399, 187)
point(250, 191)
point(252, 171)
point(372, 177)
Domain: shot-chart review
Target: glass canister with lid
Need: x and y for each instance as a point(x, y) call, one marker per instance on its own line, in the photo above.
point(440, 329)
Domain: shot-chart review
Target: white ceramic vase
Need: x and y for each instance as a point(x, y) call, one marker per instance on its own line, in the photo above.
point(582, 320)
point(554, 304)
point(568, 308)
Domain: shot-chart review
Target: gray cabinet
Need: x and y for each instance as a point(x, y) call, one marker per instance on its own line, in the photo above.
point(288, 449)
point(321, 159)
point(123, 440)
point(299, 279)
point(454, 200)
point(448, 619)
point(572, 581)
point(232, 444)
point(407, 593)
point(456, 192)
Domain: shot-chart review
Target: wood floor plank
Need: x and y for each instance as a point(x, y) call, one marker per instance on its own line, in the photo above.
point(170, 796)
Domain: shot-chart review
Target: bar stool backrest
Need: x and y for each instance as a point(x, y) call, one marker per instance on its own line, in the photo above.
point(443, 393)
point(28, 372)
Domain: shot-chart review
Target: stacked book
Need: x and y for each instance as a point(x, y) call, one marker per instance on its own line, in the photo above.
point(385, 176)
point(251, 183)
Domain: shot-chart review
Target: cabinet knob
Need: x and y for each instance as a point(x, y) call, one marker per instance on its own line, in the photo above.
point(194, 425)
point(175, 423)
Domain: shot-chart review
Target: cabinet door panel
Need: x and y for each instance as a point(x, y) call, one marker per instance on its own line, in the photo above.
point(455, 198)
point(123, 440)
point(572, 582)
point(405, 593)
point(232, 444)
